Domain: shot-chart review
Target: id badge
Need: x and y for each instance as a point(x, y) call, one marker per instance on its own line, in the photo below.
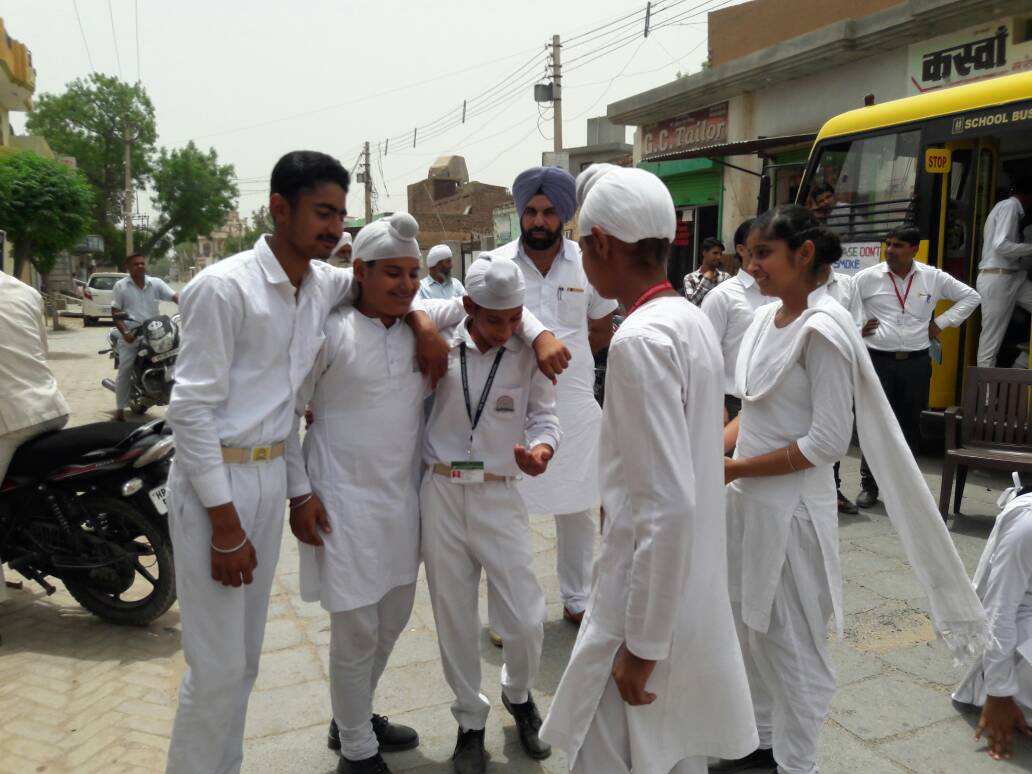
point(901, 318)
point(467, 472)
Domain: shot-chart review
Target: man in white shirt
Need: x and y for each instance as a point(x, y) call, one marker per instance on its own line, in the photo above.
point(560, 296)
point(1002, 282)
point(439, 283)
point(137, 296)
point(898, 300)
point(252, 325)
point(493, 417)
point(31, 404)
point(1001, 681)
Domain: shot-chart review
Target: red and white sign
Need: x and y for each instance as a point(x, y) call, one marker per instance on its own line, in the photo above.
point(857, 256)
point(695, 130)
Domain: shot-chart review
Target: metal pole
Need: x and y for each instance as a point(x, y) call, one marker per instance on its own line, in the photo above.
point(368, 185)
point(127, 202)
point(557, 96)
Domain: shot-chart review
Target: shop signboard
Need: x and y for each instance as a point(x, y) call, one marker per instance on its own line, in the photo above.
point(687, 132)
point(996, 47)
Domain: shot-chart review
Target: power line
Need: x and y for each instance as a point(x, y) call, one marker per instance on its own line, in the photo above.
point(610, 84)
point(114, 38)
point(78, 18)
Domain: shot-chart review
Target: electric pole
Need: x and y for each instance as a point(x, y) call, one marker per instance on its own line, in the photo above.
point(127, 200)
point(367, 178)
point(557, 96)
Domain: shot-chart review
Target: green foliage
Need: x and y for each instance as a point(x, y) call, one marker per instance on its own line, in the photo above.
point(193, 193)
point(44, 207)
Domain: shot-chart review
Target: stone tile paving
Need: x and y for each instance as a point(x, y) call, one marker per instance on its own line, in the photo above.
point(78, 695)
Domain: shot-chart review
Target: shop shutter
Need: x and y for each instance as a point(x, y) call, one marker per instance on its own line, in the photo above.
point(696, 188)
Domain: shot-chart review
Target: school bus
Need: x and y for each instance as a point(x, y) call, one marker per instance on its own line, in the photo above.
point(939, 161)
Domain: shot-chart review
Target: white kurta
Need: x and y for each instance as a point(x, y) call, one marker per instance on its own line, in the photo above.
point(1003, 581)
point(660, 581)
point(563, 300)
point(730, 307)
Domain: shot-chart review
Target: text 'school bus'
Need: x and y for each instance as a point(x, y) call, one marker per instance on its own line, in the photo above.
point(939, 161)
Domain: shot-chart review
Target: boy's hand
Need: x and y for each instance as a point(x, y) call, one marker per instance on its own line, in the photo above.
point(1000, 716)
point(631, 674)
point(308, 520)
point(431, 349)
point(535, 461)
point(238, 567)
point(552, 355)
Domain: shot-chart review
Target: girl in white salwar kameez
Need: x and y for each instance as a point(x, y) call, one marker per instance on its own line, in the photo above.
point(800, 365)
point(655, 683)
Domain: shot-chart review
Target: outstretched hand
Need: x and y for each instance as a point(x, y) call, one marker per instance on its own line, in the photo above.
point(535, 461)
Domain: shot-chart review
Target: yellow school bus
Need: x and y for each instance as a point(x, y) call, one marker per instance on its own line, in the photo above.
point(938, 161)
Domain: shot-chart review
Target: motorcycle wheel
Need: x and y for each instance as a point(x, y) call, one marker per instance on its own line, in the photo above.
point(101, 591)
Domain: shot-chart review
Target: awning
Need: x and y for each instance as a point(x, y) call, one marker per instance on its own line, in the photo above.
point(739, 148)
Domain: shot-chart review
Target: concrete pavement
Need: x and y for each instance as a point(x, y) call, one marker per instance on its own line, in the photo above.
point(79, 695)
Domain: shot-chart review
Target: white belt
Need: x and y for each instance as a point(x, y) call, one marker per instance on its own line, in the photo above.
point(998, 271)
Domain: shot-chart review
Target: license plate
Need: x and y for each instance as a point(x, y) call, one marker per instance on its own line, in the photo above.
point(159, 498)
point(165, 355)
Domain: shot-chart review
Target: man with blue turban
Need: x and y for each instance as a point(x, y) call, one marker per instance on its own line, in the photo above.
point(559, 294)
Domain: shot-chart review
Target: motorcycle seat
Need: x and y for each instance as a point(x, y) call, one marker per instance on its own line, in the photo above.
point(48, 451)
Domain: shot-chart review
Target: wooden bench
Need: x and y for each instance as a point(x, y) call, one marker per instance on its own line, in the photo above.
point(995, 429)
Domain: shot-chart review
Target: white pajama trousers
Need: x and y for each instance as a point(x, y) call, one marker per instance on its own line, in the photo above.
point(607, 745)
point(361, 641)
point(791, 678)
point(467, 528)
point(575, 556)
point(1000, 294)
point(223, 627)
point(126, 363)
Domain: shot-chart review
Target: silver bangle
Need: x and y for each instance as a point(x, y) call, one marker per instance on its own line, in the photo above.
point(298, 505)
point(218, 550)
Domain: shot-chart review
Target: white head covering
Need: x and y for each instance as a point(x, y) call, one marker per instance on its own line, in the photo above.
point(393, 237)
point(629, 204)
point(494, 282)
point(437, 254)
point(345, 239)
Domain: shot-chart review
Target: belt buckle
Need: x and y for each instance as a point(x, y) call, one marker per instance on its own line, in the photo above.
point(902, 355)
point(261, 454)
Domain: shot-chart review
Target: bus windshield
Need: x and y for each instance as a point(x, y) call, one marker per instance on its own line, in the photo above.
point(864, 187)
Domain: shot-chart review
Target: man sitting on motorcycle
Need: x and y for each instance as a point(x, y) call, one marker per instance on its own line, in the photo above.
point(137, 296)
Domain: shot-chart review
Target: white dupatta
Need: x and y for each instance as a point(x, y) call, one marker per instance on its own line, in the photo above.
point(956, 612)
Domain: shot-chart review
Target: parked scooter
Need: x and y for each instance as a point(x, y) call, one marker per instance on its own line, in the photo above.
point(87, 505)
point(154, 372)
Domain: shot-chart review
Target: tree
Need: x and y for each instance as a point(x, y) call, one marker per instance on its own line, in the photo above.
point(193, 193)
point(44, 207)
point(90, 122)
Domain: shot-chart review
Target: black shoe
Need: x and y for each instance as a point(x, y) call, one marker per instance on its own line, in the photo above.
point(374, 765)
point(845, 505)
point(866, 499)
point(390, 736)
point(469, 756)
point(528, 721)
point(760, 759)
point(393, 737)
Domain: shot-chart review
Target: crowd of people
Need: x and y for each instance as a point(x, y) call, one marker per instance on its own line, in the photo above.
point(441, 414)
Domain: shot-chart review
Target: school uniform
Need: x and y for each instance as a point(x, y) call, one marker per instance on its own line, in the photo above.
point(247, 344)
point(564, 301)
point(1002, 282)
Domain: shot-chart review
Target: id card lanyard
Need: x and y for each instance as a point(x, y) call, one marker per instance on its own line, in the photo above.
point(902, 298)
point(474, 419)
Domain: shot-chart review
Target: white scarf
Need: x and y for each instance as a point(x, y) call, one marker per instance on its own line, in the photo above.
point(956, 612)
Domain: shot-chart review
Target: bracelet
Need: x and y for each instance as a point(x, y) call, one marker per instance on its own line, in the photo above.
point(218, 550)
point(788, 456)
point(303, 501)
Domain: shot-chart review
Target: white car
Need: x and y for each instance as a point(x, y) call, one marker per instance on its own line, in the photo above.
point(96, 296)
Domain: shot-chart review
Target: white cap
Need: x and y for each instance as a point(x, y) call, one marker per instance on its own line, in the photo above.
point(437, 254)
point(393, 237)
point(345, 239)
point(494, 282)
point(627, 203)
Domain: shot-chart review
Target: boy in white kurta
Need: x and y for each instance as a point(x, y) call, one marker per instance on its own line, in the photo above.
point(655, 682)
point(493, 417)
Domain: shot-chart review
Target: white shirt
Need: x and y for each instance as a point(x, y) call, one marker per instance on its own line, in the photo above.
point(431, 288)
point(30, 395)
point(247, 346)
point(520, 407)
point(660, 579)
point(842, 288)
point(730, 307)
point(1002, 247)
point(140, 303)
point(564, 301)
point(907, 331)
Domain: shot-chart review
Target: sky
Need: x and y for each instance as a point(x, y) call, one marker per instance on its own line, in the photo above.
point(257, 79)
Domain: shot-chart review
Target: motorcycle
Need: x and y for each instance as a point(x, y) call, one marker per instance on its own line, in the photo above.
point(87, 505)
point(153, 374)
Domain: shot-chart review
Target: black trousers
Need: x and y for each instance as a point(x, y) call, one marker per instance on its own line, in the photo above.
point(905, 383)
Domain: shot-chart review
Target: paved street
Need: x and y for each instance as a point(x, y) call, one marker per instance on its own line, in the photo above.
point(78, 695)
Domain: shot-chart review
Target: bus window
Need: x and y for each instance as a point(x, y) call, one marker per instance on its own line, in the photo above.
point(864, 187)
point(959, 203)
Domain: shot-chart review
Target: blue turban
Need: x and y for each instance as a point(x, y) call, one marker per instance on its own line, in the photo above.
point(555, 183)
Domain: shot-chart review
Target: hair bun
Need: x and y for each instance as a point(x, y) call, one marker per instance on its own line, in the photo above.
point(403, 225)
